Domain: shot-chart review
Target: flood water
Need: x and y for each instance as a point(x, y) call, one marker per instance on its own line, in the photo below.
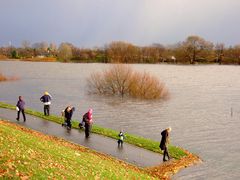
point(203, 109)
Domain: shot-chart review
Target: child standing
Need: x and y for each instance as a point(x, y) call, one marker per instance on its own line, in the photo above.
point(121, 138)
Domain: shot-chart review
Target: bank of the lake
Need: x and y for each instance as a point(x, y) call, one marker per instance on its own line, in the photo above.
point(29, 154)
point(175, 152)
point(162, 171)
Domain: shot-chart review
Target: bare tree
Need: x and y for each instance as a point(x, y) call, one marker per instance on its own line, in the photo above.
point(26, 44)
point(236, 53)
point(122, 52)
point(65, 52)
point(193, 46)
point(219, 51)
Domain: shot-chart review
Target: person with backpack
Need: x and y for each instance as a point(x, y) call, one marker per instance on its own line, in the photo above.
point(46, 100)
point(20, 108)
point(68, 112)
point(164, 143)
point(87, 121)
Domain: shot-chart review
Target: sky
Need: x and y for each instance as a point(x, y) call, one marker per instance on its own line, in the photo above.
point(95, 23)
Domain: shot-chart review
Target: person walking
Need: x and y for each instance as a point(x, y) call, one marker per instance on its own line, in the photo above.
point(20, 108)
point(46, 99)
point(87, 121)
point(164, 143)
point(68, 112)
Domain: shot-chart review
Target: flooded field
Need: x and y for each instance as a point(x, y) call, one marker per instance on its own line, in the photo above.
point(203, 109)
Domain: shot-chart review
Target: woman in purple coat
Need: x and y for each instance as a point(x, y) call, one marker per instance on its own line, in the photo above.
point(20, 108)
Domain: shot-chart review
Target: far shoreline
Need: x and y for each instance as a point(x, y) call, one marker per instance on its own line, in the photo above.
point(93, 62)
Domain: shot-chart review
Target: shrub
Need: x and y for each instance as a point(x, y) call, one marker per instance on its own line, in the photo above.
point(123, 81)
point(2, 77)
point(3, 57)
point(145, 86)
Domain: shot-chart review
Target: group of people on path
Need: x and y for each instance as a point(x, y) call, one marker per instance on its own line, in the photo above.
point(67, 113)
point(87, 122)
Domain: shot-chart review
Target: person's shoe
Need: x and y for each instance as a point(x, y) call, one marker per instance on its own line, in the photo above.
point(164, 160)
point(24, 120)
point(17, 119)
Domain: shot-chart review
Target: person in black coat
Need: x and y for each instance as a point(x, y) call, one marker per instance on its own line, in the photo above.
point(164, 143)
point(20, 108)
point(68, 112)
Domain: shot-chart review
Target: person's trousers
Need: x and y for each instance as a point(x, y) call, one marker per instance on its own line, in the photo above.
point(46, 109)
point(69, 124)
point(87, 129)
point(18, 114)
point(165, 153)
point(120, 142)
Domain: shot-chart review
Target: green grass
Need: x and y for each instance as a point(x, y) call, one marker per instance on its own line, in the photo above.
point(145, 143)
point(27, 154)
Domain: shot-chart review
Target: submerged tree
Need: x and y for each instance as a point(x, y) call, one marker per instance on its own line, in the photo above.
point(122, 80)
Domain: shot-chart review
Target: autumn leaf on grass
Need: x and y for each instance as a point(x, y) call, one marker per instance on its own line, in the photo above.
point(77, 154)
point(24, 178)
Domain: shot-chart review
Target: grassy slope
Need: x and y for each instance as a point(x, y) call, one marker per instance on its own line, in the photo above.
point(149, 144)
point(26, 153)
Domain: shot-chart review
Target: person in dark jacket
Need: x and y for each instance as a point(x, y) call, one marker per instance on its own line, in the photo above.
point(87, 121)
point(68, 112)
point(46, 99)
point(164, 143)
point(20, 108)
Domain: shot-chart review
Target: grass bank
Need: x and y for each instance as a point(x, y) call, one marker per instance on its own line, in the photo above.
point(175, 152)
point(27, 154)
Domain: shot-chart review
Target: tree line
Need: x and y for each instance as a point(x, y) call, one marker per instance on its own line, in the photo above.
point(194, 49)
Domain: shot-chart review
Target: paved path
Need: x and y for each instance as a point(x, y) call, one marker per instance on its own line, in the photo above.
point(129, 153)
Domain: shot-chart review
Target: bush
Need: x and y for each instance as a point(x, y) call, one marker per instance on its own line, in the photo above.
point(123, 81)
point(2, 77)
point(3, 57)
point(145, 86)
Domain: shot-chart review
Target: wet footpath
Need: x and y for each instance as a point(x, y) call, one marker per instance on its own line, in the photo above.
point(129, 153)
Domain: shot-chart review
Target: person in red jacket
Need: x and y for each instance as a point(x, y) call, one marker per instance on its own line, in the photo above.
point(164, 143)
point(87, 121)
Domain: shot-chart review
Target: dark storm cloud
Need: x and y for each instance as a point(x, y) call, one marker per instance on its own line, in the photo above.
point(88, 23)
